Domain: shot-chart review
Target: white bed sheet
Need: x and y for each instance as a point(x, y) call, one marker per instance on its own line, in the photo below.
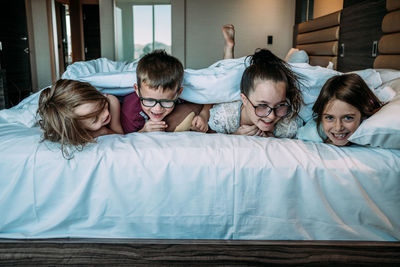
point(195, 185)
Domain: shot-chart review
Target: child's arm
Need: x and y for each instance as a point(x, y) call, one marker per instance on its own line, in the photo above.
point(200, 122)
point(115, 124)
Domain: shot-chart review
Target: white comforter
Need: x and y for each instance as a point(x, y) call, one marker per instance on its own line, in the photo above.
point(193, 185)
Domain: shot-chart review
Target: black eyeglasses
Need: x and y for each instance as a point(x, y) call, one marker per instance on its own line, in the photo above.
point(263, 110)
point(151, 102)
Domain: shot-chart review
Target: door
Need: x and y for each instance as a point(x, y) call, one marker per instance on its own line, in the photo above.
point(61, 11)
point(360, 27)
point(91, 31)
point(14, 47)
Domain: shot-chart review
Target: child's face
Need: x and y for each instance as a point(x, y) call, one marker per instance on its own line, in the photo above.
point(96, 122)
point(157, 112)
point(339, 121)
point(265, 93)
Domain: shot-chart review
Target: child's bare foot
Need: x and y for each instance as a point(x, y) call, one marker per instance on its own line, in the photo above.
point(228, 31)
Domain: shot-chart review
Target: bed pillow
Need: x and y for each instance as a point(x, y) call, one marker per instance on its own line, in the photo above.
point(394, 84)
point(309, 132)
point(371, 77)
point(388, 74)
point(381, 129)
point(388, 90)
point(296, 56)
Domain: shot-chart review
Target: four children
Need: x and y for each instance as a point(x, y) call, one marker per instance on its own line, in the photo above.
point(75, 113)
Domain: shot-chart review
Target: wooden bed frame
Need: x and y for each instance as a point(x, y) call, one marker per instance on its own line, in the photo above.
point(196, 252)
point(77, 251)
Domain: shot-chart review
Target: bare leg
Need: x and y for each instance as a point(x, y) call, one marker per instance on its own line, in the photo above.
point(228, 31)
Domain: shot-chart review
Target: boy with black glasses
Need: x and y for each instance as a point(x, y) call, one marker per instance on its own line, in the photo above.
point(159, 80)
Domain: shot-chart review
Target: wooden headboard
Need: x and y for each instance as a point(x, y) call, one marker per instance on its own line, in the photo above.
point(320, 39)
point(389, 44)
point(364, 34)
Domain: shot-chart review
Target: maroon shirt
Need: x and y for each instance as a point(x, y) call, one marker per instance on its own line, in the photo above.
point(132, 116)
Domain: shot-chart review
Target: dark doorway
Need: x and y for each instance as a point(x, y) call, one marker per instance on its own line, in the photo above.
point(14, 52)
point(91, 31)
point(63, 38)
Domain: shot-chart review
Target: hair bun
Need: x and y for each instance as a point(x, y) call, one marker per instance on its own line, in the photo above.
point(264, 56)
point(46, 96)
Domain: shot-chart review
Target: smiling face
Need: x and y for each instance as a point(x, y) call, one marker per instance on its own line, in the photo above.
point(156, 113)
point(265, 93)
point(93, 123)
point(339, 121)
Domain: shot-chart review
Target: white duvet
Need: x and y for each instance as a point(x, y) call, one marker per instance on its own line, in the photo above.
point(193, 185)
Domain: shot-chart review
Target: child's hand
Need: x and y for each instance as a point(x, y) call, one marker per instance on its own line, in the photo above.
point(266, 134)
point(154, 126)
point(249, 130)
point(199, 124)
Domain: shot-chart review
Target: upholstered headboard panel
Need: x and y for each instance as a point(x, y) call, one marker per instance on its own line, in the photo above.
point(319, 38)
point(389, 44)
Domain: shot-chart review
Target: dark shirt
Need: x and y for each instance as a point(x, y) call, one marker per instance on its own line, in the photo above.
point(132, 116)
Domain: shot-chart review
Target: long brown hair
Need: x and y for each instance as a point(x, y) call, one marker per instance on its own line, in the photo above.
point(264, 65)
point(349, 88)
point(57, 118)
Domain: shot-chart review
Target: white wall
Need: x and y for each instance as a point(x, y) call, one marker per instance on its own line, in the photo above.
point(254, 20)
point(41, 42)
point(196, 28)
point(107, 43)
point(196, 34)
point(178, 18)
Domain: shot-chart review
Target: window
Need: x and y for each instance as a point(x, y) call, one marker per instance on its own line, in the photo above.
point(151, 28)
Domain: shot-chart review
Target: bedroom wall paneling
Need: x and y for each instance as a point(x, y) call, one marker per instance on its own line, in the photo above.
point(389, 44)
point(319, 38)
point(325, 7)
point(360, 26)
point(304, 10)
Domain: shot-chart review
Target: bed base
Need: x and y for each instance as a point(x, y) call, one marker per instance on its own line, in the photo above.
point(196, 252)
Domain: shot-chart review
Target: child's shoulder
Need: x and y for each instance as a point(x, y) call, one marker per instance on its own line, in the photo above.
point(131, 98)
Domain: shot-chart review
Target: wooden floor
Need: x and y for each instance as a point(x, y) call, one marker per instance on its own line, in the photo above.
point(137, 252)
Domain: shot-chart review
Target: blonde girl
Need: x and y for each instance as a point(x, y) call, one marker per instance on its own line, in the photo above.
point(74, 113)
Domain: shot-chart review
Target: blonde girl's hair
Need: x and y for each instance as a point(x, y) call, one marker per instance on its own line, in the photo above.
point(57, 118)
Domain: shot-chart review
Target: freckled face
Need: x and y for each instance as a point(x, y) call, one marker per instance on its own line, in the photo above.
point(156, 113)
point(265, 93)
point(96, 122)
point(339, 121)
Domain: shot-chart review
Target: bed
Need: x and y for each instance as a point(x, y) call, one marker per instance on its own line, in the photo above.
point(193, 198)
